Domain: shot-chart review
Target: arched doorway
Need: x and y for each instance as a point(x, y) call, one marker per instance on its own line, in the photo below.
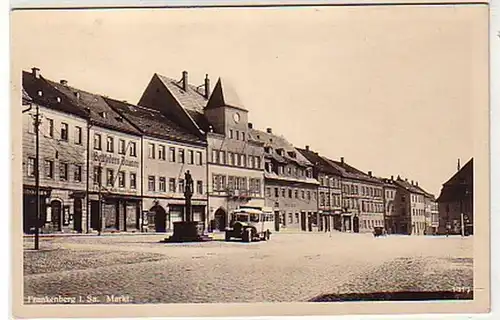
point(56, 208)
point(220, 219)
point(160, 217)
point(355, 224)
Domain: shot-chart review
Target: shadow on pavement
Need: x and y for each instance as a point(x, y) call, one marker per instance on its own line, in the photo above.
point(395, 296)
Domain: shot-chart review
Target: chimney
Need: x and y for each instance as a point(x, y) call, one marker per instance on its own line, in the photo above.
point(36, 72)
point(184, 80)
point(406, 179)
point(392, 178)
point(412, 182)
point(77, 95)
point(307, 148)
point(370, 173)
point(342, 160)
point(416, 183)
point(63, 82)
point(458, 164)
point(207, 87)
point(250, 125)
point(269, 130)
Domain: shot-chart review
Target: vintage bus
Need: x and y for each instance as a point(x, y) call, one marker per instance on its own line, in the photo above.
point(250, 224)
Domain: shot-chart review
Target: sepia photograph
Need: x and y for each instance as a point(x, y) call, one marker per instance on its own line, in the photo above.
point(255, 161)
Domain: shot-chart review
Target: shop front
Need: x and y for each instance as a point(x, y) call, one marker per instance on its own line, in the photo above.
point(118, 213)
point(29, 207)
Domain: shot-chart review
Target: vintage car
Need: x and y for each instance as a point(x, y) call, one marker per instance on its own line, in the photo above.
point(249, 225)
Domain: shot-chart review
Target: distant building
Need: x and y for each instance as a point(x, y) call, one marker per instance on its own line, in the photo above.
point(455, 202)
point(362, 198)
point(291, 189)
point(409, 214)
point(391, 216)
point(234, 162)
point(329, 191)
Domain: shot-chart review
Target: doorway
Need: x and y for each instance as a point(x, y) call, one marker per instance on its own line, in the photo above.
point(220, 219)
point(355, 225)
point(160, 217)
point(56, 207)
point(77, 215)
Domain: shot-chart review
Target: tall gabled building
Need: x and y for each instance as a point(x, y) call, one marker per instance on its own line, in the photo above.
point(235, 161)
point(455, 202)
point(409, 217)
point(291, 189)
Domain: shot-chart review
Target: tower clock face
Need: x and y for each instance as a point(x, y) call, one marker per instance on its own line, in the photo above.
point(236, 117)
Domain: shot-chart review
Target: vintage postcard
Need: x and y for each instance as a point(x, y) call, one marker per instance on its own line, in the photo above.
point(250, 161)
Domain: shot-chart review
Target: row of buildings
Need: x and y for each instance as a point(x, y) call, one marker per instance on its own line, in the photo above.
point(106, 163)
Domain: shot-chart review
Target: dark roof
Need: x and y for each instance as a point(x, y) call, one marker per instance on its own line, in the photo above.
point(351, 172)
point(460, 183)
point(152, 122)
point(50, 97)
point(224, 95)
point(408, 186)
point(427, 194)
point(320, 163)
point(279, 142)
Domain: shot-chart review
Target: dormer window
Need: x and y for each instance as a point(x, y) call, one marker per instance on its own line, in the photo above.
point(103, 114)
point(279, 151)
point(119, 119)
point(267, 149)
point(292, 154)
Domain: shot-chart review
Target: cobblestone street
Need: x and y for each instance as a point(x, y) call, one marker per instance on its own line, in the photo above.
point(290, 267)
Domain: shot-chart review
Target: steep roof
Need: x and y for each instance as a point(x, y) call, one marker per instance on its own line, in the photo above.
point(459, 184)
point(320, 163)
point(466, 171)
point(279, 142)
point(152, 122)
point(42, 92)
point(408, 186)
point(224, 95)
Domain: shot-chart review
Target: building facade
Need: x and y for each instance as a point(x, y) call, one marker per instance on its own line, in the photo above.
point(291, 189)
point(409, 217)
point(62, 158)
point(329, 191)
point(234, 161)
point(168, 152)
point(455, 202)
point(390, 191)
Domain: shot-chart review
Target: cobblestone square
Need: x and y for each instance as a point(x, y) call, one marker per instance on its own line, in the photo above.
point(289, 267)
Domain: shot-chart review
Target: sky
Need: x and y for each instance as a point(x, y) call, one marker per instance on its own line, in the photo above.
point(390, 89)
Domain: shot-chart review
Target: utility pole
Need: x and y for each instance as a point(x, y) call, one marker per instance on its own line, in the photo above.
point(100, 200)
point(37, 178)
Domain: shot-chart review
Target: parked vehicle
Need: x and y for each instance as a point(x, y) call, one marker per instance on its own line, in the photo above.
point(379, 231)
point(249, 224)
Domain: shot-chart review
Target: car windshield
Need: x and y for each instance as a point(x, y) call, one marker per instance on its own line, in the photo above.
point(241, 217)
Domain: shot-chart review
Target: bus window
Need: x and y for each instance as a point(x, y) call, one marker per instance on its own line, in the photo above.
point(241, 217)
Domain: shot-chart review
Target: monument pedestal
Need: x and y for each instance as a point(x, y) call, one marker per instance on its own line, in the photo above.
point(187, 232)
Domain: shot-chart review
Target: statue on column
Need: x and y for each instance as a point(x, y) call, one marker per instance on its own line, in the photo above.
point(188, 194)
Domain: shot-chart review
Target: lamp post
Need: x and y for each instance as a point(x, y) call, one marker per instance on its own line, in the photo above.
point(37, 178)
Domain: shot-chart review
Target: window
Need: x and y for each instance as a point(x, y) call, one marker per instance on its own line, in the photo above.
point(50, 128)
point(97, 176)
point(78, 135)
point(64, 131)
point(243, 160)
point(97, 141)
point(199, 158)
point(121, 146)
point(222, 156)
point(78, 173)
point(231, 158)
point(290, 193)
point(181, 185)
point(109, 177)
point(121, 179)
point(63, 171)
point(296, 217)
point(171, 185)
point(276, 192)
point(238, 160)
point(243, 136)
point(190, 157)
point(151, 183)
point(163, 184)
point(283, 192)
point(237, 135)
point(171, 154)
point(110, 144)
point(151, 150)
point(31, 167)
point(230, 133)
point(215, 156)
point(303, 193)
point(251, 162)
point(308, 195)
point(181, 156)
point(31, 124)
point(290, 217)
point(133, 149)
point(296, 194)
point(161, 152)
point(199, 187)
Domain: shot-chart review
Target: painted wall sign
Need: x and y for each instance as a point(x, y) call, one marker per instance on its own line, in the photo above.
point(108, 158)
